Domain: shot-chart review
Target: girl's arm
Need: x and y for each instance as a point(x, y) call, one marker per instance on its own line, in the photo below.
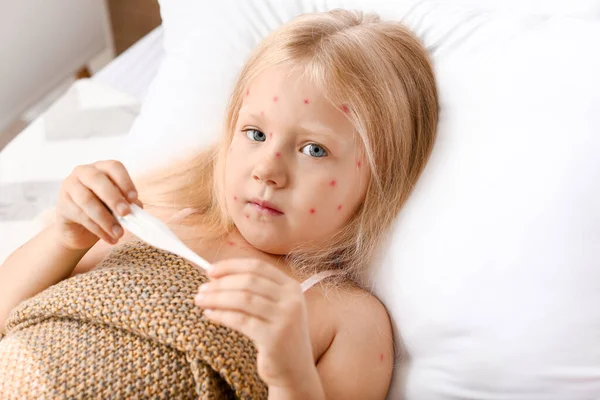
point(358, 363)
point(310, 388)
point(39, 263)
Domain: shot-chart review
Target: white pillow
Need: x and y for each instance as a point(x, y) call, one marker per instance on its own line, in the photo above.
point(492, 274)
point(572, 8)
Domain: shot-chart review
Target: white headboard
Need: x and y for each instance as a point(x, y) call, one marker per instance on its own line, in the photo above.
point(42, 43)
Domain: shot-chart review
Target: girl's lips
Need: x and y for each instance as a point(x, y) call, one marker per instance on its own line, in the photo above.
point(265, 210)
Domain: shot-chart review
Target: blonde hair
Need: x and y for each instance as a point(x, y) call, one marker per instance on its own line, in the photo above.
point(384, 78)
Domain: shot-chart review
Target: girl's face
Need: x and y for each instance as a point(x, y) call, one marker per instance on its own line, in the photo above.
point(295, 172)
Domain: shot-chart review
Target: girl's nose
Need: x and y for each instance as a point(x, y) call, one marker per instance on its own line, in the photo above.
point(270, 170)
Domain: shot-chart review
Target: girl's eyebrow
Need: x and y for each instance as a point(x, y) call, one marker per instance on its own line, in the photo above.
point(256, 116)
point(319, 130)
point(310, 130)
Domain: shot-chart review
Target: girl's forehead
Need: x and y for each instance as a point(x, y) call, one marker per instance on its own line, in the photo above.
point(275, 82)
point(284, 93)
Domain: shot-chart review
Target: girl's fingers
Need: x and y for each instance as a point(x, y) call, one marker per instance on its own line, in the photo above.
point(245, 281)
point(81, 217)
point(248, 265)
point(240, 301)
point(117, 173)
point(254, 328)
point(92, 209)
point(104, 188)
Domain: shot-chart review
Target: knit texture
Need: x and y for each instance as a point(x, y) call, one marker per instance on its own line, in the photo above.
point(127, 329)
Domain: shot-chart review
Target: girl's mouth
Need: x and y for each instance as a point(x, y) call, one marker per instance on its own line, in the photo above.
point(264, 209)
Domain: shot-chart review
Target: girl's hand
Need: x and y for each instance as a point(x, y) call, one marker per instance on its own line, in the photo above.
point(85, 201)
point(266, 305)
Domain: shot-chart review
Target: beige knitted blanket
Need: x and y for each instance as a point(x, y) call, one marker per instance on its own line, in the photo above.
point(128, 329)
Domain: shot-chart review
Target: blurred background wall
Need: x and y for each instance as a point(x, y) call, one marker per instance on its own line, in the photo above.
point(46, 45)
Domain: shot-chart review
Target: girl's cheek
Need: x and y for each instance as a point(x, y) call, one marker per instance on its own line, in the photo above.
point(334, 195)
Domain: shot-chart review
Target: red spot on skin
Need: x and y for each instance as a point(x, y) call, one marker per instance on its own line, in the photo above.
point(358, 164)
point(278, 154)
point(275, 99)
point(231, 243)
point(332, 183)
point(262, 113)
point(312, 210)
point(345, 108)
point(247, 216)
point(247, 92)
point(305, 101)
point(381, 357)
point(235, 198)
point(339, 207)
point(270, 135)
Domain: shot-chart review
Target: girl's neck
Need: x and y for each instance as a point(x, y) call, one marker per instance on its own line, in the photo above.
point(236, 238)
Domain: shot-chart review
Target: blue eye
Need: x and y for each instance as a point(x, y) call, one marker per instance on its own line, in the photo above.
point(314, 150)
point(256, 135)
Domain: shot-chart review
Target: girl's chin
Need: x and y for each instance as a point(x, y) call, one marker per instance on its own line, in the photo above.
point(266, 242)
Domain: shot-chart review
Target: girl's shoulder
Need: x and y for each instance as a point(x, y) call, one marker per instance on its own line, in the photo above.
point(351, 308)
point(355, 306)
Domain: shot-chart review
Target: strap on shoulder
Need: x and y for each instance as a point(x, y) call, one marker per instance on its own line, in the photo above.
point(318, 277)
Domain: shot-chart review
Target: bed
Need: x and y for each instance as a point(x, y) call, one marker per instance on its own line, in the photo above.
point(492, 266)
point(88, 123)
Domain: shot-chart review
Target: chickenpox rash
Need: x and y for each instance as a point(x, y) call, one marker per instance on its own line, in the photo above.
point(247, 216)
point(262, 113)
point(312, 210)
point(270, 135)
point(247, 92)
point(340, 207)
point(332, 183)
point(278, 154)
point(345, 108)
point(381, 357)
point(275, 98)
point(305, 101)
point(358, 164)
point(234, 198)
point(231, 243)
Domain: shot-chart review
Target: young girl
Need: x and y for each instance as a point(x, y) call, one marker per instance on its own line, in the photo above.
point(329, 126)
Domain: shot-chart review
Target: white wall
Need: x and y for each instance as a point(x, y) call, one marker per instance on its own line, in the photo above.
point(42, 42)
